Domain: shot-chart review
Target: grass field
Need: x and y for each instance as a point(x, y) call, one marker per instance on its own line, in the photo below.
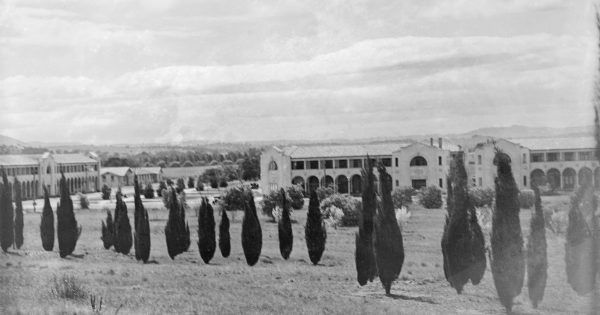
point(228, 286)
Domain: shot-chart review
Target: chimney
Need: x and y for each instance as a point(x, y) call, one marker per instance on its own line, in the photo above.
point(431, 142)
point(440, 142)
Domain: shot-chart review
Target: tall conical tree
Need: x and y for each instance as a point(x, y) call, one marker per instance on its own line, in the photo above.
point(173, 229)
point(207, 244)
point(47, 225)
point(579, 248)
point(508, 261)
point(315, 231)
point(66, 225)
point(463, 245)
point(284, 227)
point(7, 231)
point(185, 232)
point(537, 258)
point(122, 239)
point(388, 245)
point(364, 256)
point(18, 215)
point(224, 237)
point(251, 231)
point(108, 231)
point(142, 226)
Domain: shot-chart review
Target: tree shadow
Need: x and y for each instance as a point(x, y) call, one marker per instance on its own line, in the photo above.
point(80, 256)
point(152, 262)
point(421, 299)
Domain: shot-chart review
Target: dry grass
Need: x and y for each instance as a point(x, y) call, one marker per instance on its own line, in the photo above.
point(228, 286)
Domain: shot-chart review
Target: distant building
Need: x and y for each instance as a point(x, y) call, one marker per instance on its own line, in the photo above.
point(149, 174)
point(123, 176)
point(82, 172)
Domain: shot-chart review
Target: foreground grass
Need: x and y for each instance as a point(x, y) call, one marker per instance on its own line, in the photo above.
point(228, 286)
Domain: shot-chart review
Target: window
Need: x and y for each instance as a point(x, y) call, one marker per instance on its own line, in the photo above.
point(473, 181)
point(356, 163)
point(524, 180)
point(272, 166)
point(569, 156)
point(537, 157)
point(418, 161)
point(342, 163)
point(552, 156)
point(440, 163)
point(298, 165)
point(396, 163)
point(479, 159)
point(441, 183)
point(313, 165)
point(387, 162)
point(585, 156)
point(480, 182)
point(524, 158)
point(328, 164)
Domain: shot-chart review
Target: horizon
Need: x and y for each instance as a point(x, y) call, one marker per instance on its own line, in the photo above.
point(101, 74)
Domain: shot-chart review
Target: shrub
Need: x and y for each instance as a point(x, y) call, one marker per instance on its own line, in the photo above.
point(66, 226)
point(200, 186)
point(402, 196)
point(224, 237)
point(234, 198)
point(161, 186)
point(296, 194)
point(190, 182)
point(251, 232)
point(272, 200)
point(180, 185)
point(346, 203)
point(67, 287)
point(223, 183)
point(537, 258)
point(315, 232)
point(206, 231)
point(106, 192)
point(214, 183)
point(18, 215)
point(141, 237)
point(47, 225)
point(188, 164)
point(333, 216)
point(84, 203)
point(148, 191)
point(324, 192)
point(430, 197)
point(284, 227)
point(481, 197)
point(174, 164)
point(526, 198)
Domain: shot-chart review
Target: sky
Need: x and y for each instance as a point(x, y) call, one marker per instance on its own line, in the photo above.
point(149, 71)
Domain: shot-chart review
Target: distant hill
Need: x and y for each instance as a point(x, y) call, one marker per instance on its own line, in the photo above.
point(8, 141)
point(517, 131)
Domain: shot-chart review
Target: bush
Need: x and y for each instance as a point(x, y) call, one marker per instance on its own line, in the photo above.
point(324, 192)
point(430, 197)
point(200, 186)
point(161, 186)
point(526, 198)
point(296, 194)
point(482, 197)
point(214, 183)
point(67, 287)
point(174, 164)
point(223, 183)
point(190, 182)
point(272, 200)
point(148, 191)
point(106, 192)
point(234, 198)
point(347, 204)
point(180, 185)
point(402, 196)
point(84, 203)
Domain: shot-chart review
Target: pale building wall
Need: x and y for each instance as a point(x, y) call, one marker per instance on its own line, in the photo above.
point(481, 169)
point(434, 173)
point(274, 179)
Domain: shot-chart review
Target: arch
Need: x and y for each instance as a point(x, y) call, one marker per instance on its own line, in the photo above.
point(313, 183)
point(569, 175)
point(553, 178)
point(538, 177)
point(585, 176)
point(418, 161)
point(272, 166)
point(327, 181)
point(597, 177)
point(342, 184)
point(298, 180)
point(356, 185)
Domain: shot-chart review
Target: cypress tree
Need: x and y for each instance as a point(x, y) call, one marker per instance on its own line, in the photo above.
point(66, 225)
point(108, 231)
point(388, 245)
point(47, 225)
point(579, 248)
point(185, 232)
point(507, 262)
point(18, 215)
point(537, 258)
point(251, 231)
point(364, 256)
point(177, 232)
point(7, 232)
point(284, 227)
point(463, 245)
point(207, 244)
point(122, 241)
point(224, 237)
point(142, 227)
point(315, 232)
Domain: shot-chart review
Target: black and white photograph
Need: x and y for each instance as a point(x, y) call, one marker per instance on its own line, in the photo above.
point(300, 157)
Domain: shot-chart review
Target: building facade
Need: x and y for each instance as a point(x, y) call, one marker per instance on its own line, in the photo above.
point(33, 172)
point(123, 176)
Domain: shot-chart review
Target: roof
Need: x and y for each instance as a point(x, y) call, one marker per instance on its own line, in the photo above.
point(147, 170)
point(119, 171)
point(72, 158)
point(357, 150)
point(564, 143)
point(17, 160)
